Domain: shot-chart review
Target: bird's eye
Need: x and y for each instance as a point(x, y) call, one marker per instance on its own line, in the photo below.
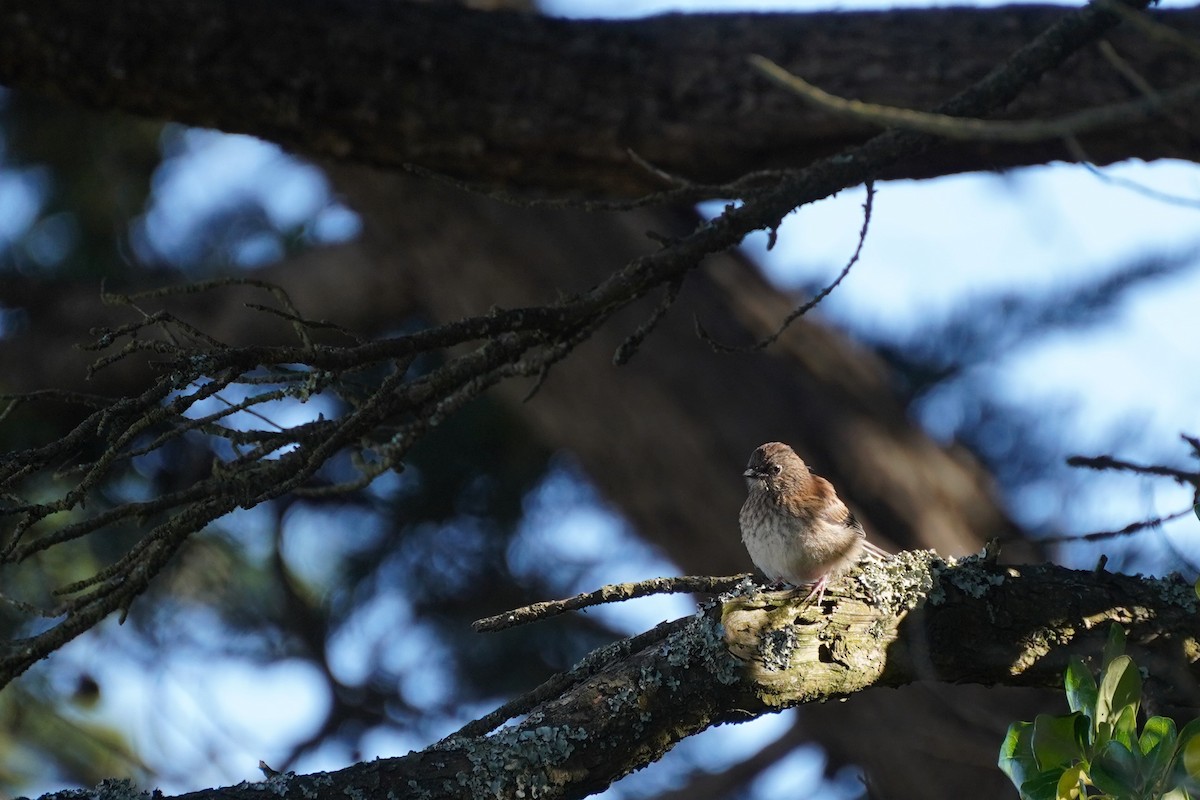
point(776, 469)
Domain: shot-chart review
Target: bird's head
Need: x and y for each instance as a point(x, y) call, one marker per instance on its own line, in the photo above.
point(774, 467)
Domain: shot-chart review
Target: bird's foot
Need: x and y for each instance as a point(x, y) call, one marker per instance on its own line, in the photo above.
point(818, 590)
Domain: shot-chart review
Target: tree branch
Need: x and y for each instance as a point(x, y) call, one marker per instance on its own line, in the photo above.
point(614, 593)
point(465, 93)
point(915, 618)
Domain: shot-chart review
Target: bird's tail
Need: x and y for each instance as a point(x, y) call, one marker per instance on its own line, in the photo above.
point(875, 552)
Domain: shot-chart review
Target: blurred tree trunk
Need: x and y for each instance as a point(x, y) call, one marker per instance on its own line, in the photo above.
point(665, 437)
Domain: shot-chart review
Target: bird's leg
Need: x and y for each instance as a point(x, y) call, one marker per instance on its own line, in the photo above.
point(818, 589)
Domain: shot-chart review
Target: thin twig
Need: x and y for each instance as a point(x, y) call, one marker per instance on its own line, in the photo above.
point(1131, 528)
point(613, 593)
point(1151, 28)
point(796, 313)
point(974, 129)
point(1084, 160)
point(630, 346)
point(1109, 463)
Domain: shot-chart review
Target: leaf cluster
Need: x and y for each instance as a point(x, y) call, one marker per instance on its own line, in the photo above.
point(1096, 751)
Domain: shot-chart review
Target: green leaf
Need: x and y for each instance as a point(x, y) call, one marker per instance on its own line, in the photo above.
point(1125, 729)
point(1114, 770)
point(1155, 732)
point(1016, 753)
point(1070, 784)
point(1055, 741)
point(1115, 645)
point(1081, 687)
point(1185, 774)
point(1120, 686)
point(1158, 746)
point(1103, 734)
point(1043, 786)
point(1189, 754)
point(1189, 732)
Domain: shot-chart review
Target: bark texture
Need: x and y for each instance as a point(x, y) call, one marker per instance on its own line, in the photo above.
point(916, 620)
point(470, 94)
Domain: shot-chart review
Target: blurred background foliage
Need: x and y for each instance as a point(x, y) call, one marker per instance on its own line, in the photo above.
point(368, 597)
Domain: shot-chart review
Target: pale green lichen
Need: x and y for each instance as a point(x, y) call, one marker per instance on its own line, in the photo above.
point(903, 581)
point(308, 787)
point(107, 789)
point(649, 678)
point(747, 587)
point(281, 783)
point(701, 643)
point(775, 648)
point(970, 578)
point(621, 697)
point(517, 760)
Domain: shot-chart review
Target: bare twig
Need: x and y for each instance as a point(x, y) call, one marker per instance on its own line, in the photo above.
point(1110, 463)
point(1084, 160)
point(613, 593)
point(978, 130)
point(1128, 530)
point(630, 346)
point(796, 313)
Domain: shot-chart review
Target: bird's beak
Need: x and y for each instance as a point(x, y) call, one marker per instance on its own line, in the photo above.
point(752, 473)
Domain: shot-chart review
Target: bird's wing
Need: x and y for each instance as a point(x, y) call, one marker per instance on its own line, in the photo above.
point(830, 508)
point(836, 511)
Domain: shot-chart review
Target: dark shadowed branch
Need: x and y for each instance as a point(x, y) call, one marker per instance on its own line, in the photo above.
point(466, 93)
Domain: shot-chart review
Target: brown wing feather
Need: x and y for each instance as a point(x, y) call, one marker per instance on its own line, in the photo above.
point(834, 510)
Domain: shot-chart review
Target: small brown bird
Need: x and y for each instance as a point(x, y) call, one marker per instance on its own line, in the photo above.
point(793, 524)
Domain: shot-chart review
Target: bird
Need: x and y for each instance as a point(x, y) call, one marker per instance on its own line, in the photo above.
point(795, 527)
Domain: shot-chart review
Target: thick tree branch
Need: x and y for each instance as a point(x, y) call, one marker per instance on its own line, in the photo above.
point(467, 93)
point(916, 618)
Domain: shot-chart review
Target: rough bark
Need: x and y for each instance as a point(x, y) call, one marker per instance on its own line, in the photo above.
point(915, 620)
point(469, 93)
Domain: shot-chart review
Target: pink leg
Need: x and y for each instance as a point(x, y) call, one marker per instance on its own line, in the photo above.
point(818, 590)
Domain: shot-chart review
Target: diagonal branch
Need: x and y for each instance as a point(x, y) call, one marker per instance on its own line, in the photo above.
point(915, 619)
